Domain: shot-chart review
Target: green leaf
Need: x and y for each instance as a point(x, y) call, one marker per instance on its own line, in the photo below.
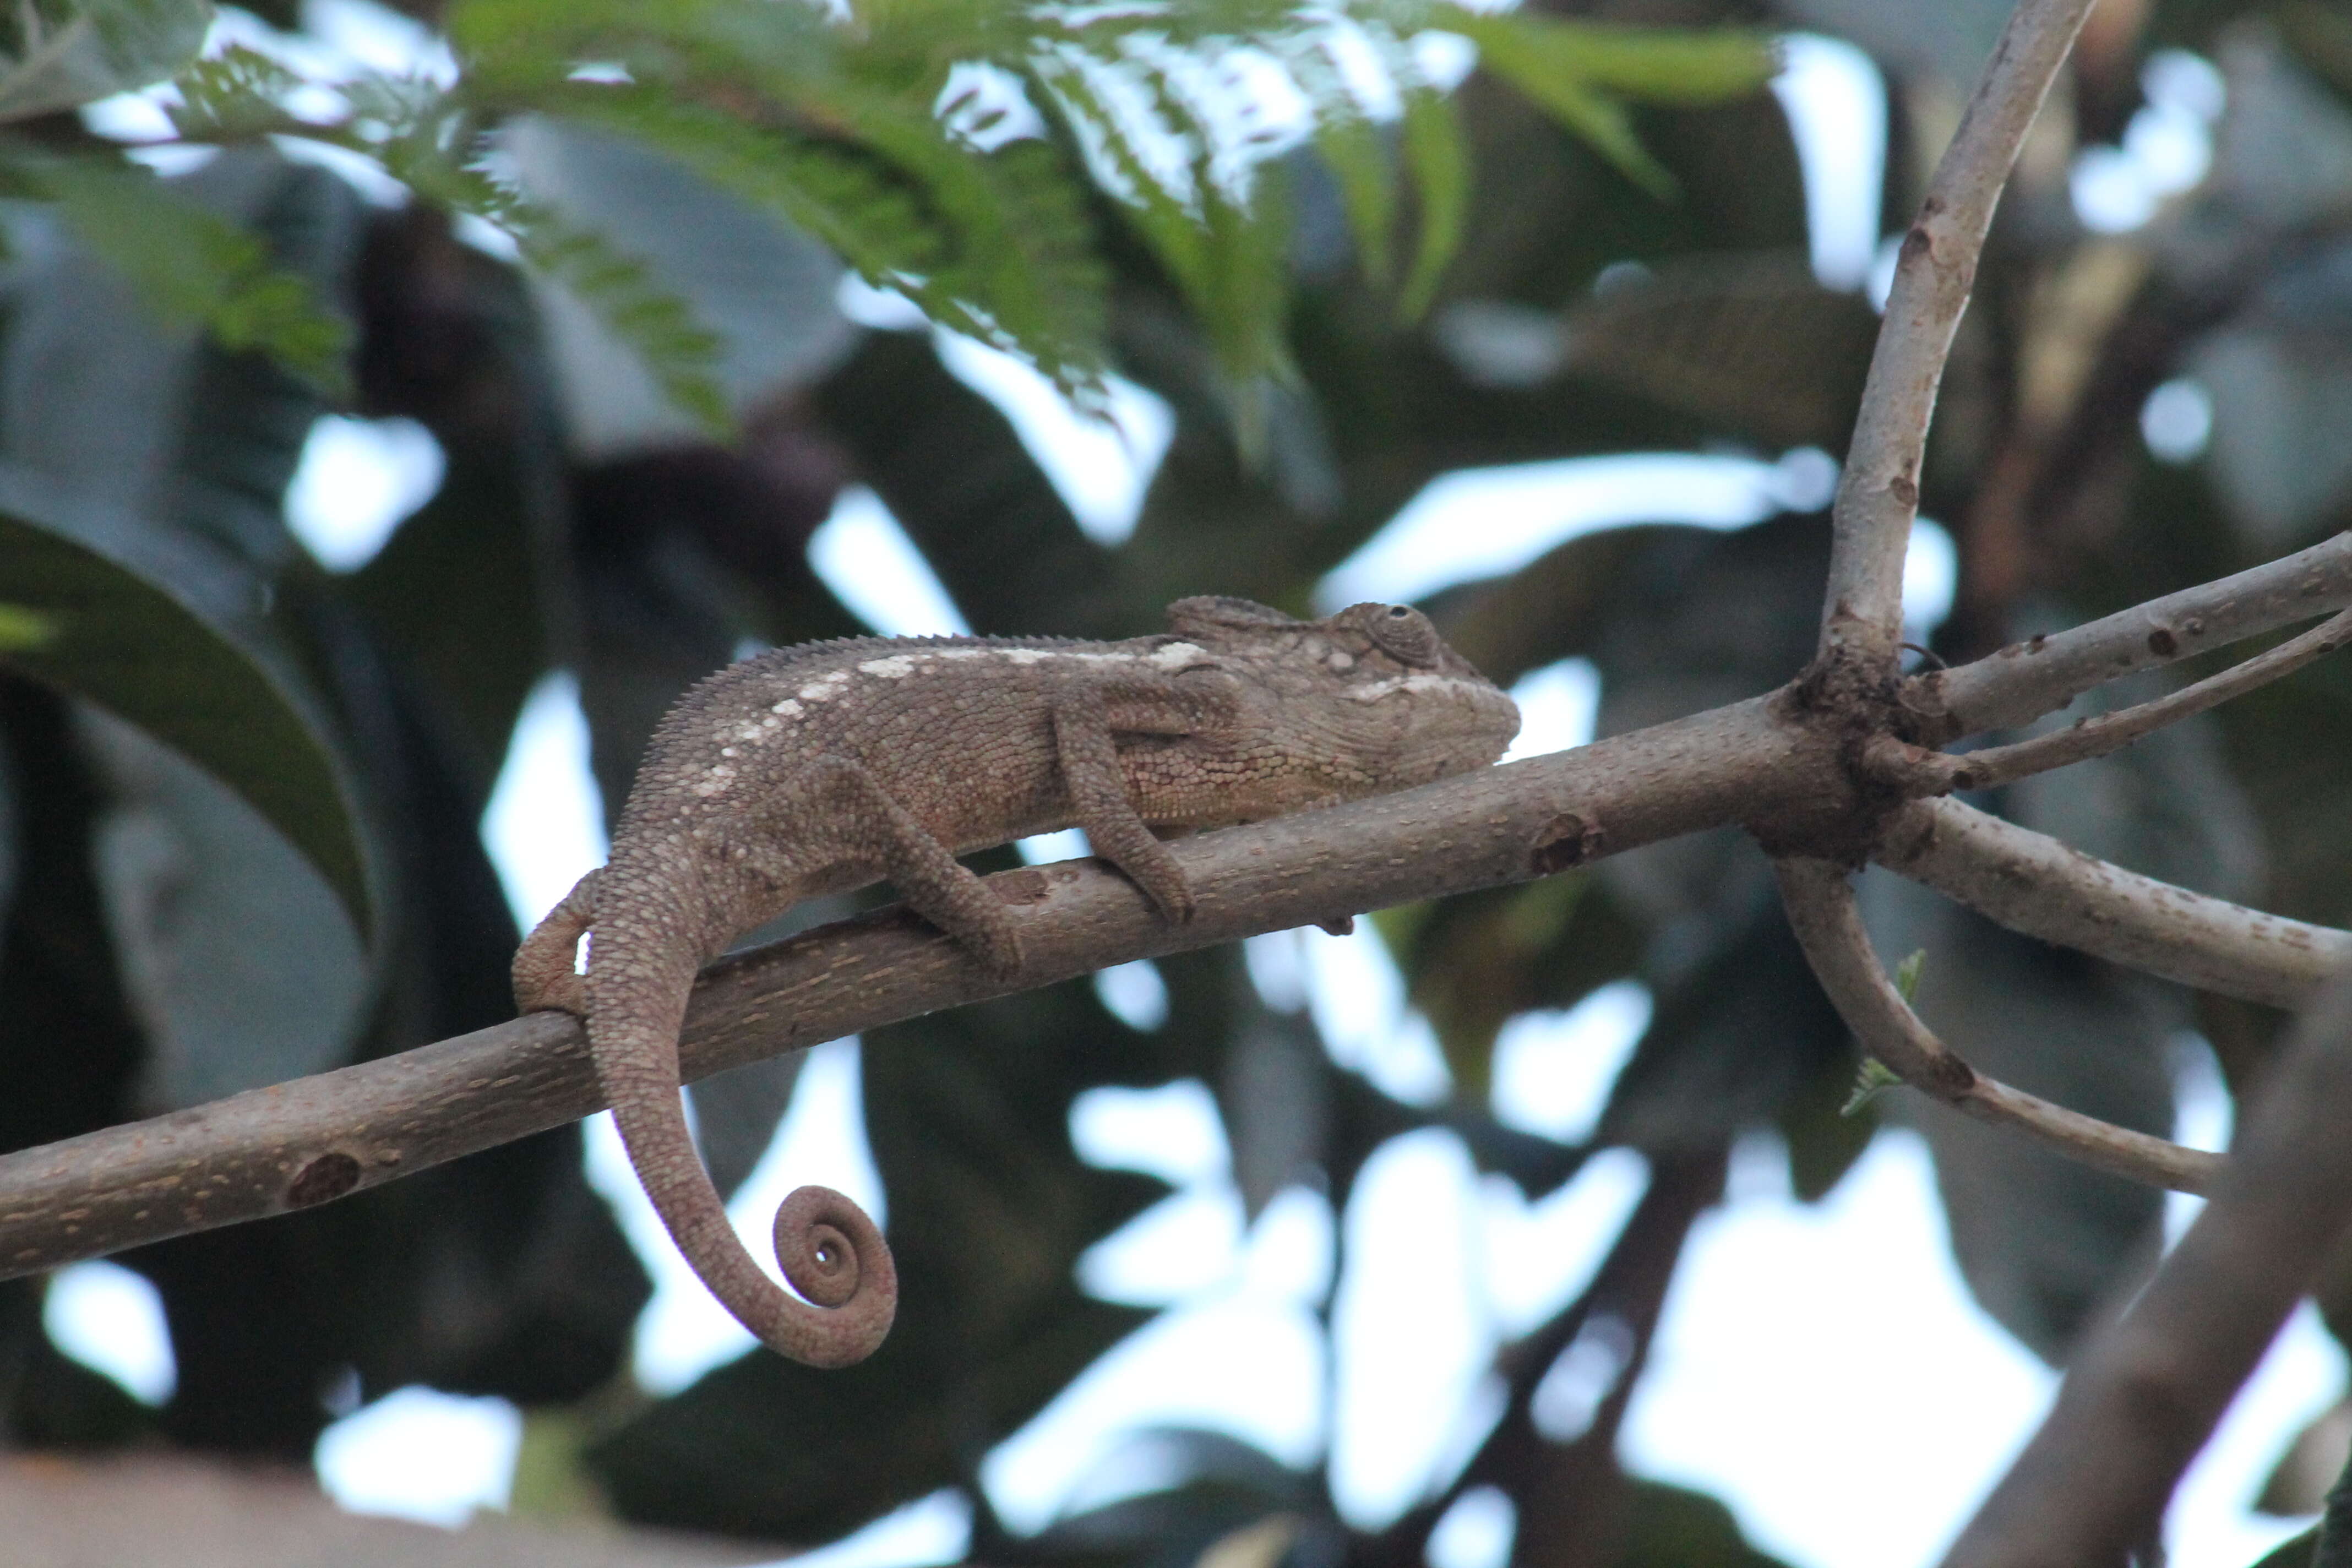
point(1906, 973)
point(236, 94)
point(1351, 149)
point(24, 631)
point(1577, 70)
point(1656, 65)
point(191, 264)
point(1354, 149)
point(995, 246)
point(150, 627)
point(57, 54)
point(681, 352)
point(1873, 1079)
point(832, 129)
point(1438, 157)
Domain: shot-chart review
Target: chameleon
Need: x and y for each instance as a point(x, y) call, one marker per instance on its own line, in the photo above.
point(831, 765)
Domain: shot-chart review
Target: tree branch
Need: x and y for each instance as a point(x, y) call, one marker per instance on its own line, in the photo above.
point(1879, 492)
point(2024, 680)
point(2096, 737)
point(319, 1138)
point(1828, 928)
point(2146, 1392)
point(2033, 883)
point(1770, 763)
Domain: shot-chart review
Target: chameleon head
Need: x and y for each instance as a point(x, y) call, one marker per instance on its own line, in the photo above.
point(1362, 703)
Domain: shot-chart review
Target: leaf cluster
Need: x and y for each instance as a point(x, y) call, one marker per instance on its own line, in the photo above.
point(859, 130)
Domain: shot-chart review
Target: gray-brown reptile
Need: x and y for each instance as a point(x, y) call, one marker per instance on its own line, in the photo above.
point(827, 767)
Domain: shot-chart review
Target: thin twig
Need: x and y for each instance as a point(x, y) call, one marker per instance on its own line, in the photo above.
point(2024, 680)
point(1879, 492)
point(2145, 1393)
point(1828, 928)
point(2031, 883)
point(2096, 737)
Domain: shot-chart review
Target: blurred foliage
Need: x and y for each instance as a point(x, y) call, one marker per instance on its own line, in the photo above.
point(600, 259)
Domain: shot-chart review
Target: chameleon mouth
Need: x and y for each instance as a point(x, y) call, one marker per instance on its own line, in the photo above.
point(1451, 686)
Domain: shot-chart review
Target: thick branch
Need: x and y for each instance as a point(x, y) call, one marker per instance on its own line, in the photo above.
point(2096, 737)
point(2031, 883)
point(1863, 610)
point(2024, 680)
point(2146, 1392)
point(319, 1138)
point(1829, 927)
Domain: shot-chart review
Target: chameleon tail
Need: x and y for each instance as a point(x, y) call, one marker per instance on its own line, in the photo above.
point(829, 1250)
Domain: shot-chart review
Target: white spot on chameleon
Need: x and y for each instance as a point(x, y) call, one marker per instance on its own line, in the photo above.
point(892, 668)
point(789, 709)
point(1439, 683)
point(1027, 655)
point(962, 653)
point(1341, 661)
point(1178, 656)
point(825, 688)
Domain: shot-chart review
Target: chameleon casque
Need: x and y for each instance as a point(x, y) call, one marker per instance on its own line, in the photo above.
point(823, 767)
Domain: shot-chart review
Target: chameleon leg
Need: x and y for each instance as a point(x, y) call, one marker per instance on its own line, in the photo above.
point(543, 973)
point(1098, 798)
point(839, 791)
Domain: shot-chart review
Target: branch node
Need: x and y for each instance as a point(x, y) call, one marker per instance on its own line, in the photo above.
point(1567, 841)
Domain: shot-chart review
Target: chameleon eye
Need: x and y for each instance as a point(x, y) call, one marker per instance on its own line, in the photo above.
point(1403, 633)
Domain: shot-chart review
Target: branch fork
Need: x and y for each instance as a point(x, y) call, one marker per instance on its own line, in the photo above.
point(2142, 1398)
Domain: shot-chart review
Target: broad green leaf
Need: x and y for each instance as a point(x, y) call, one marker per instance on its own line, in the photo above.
point(57, 54)
point(195, 881)
point(148, 626)
point(191, 264)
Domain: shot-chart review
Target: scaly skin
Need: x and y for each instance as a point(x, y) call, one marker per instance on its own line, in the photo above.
point(828, 766)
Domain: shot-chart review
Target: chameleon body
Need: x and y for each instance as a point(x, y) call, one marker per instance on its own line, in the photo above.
point(831, 765)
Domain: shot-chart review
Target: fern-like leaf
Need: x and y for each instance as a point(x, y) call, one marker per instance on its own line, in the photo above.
point(446, 161)
point(191, 264)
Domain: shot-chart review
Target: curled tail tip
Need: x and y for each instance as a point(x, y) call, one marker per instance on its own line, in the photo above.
point(835, 1255)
